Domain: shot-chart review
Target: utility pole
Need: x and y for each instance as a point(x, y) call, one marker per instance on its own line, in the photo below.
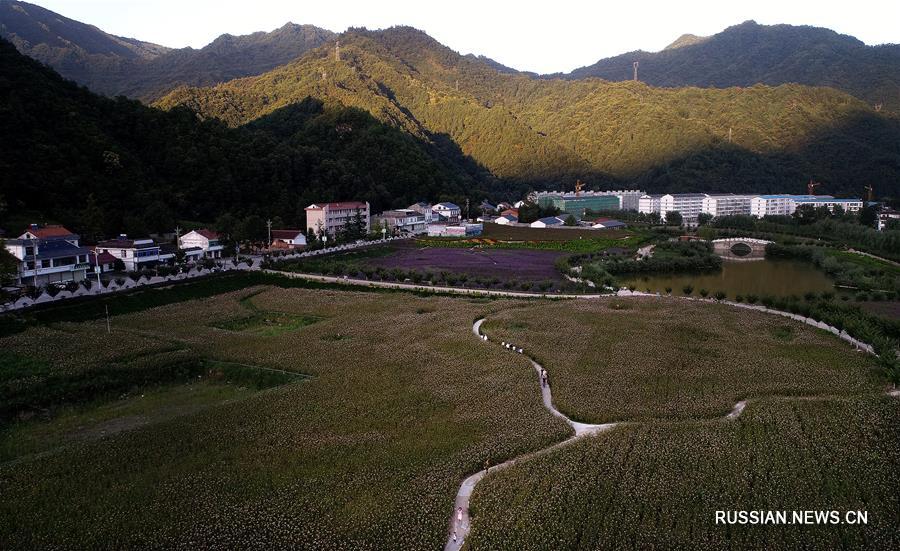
point(467, 209)
point(337, 50)
point(107, 317)
point(729, 134)
point(269, 226)
point(177, 235)
point(635, 70)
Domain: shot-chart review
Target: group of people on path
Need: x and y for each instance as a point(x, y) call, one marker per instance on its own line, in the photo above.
point(545, 378)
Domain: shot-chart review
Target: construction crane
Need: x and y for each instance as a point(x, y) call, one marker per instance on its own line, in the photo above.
point(579, 185)
point(870, 192)
point(811, 187)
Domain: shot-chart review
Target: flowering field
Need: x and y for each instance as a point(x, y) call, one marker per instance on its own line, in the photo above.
point(662, 358)
point(659, 485)
point(403, 403)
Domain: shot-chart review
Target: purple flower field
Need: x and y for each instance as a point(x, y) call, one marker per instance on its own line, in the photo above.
point(520, 264)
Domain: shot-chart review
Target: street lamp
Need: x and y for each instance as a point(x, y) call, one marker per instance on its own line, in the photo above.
point(97, 268)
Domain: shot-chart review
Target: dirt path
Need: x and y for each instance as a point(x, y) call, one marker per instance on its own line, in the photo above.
point(460, 523)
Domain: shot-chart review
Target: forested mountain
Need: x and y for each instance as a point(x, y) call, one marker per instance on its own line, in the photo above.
point(109, 165)
point(749, 53)
point(113, 65)
point(758, 138)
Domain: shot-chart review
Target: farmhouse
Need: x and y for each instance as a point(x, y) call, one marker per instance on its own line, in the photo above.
point(134, 253)
point(288, 239)
point(402, 221)
point(206, 240)
point(446, 212)
point(48, 254)
point(506, 220)
point(604, 223)
point(106, 261)
point(332, 218)
point(425, 209)
point(548, 222)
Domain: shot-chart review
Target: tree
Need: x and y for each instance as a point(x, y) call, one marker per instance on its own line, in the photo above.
point(92, 221)
point(570, 221)
point(704, 218)
point(868, 216)
point(9, 265)
point(674, 218)
point(805, 214)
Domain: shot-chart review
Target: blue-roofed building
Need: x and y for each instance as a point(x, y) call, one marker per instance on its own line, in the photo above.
point(48, 254)
point(779, 205)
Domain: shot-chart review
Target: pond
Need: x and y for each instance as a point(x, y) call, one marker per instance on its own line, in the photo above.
point(761, 277)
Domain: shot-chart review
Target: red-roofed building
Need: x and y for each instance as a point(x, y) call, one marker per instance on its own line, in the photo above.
point(206, 240)
point(510, 212)
point(50, 231)
point(106, 261)
point(331, 218)
point(288, 239)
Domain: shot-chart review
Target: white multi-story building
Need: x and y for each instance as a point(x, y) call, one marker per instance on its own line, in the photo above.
point(648, 204)
point(849, 205)
point(48, 254)
point(689, 205)
point(785, 205)
point(332, 218)
point(727, 204)
point(206, 240)
point(134, 253)
point(448, 213)
point(885, 216)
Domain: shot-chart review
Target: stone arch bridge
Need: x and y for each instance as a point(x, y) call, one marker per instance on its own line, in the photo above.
point(740, 247)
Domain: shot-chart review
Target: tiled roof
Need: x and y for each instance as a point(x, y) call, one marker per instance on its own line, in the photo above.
point(55, 248)
point(449, 206)
point(125, 244)
point(49, 232)
point(209, 234)
point(338, 205)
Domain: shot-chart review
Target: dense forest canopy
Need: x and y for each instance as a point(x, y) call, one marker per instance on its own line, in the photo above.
point(104, 166)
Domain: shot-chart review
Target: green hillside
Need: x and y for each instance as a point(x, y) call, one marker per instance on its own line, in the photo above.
point(104, 166)
point(543, 131)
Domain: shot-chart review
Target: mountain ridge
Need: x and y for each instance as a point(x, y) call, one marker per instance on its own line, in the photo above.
point(750, 53)
point(114, 66)
point(546, 130)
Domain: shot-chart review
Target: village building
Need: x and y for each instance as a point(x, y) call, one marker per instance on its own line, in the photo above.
point(333, 218)
point(425, 209)
point(402, 221)
point(885, 216)
point(506, 220)
point(135, 254)
point(548, 222)
point(447, 213)
point(607, 223)
point(288, 239)
point(207, 241)
point(48, 254)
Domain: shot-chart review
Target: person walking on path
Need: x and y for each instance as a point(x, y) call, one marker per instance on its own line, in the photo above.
point(459, 515)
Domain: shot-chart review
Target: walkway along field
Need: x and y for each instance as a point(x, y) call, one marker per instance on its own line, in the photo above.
point(460, 521)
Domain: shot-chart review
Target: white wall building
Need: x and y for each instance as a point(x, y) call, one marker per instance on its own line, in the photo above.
point(48, 254)
point(689, 205)
point(402, 221)
point(727, 204)
point(849, 205)
point(446, 212)
point(206, 240)
point(134, 253)
point(648, 204)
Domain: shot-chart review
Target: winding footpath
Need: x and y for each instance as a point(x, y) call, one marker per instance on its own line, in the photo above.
point(460, 523)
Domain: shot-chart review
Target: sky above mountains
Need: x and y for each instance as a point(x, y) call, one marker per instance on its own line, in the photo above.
point(543, 37)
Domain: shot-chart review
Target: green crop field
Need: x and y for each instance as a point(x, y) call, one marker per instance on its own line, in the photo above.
point(277, 416)
point(665, 358)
